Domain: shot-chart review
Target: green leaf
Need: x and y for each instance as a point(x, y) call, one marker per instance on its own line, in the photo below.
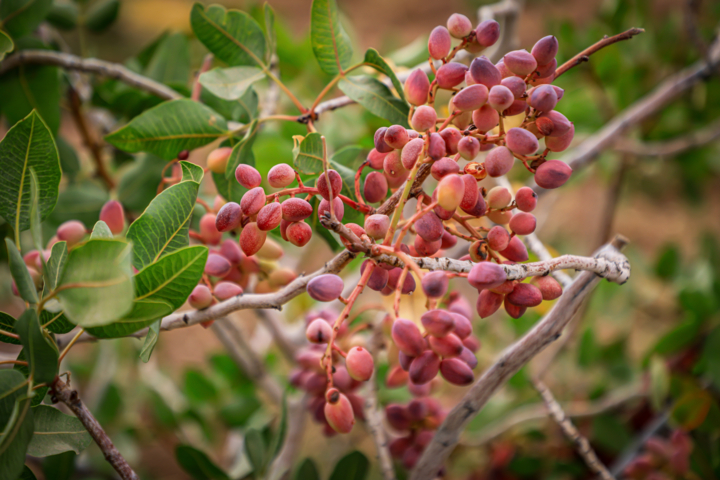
point(160, 288)
point(231, 35)
point(69, 162)
point(197, 464)
point(255, 450)
point(173, 277)
point(242, 110)
point(309, 155)
point(16, 422)
point(198, 388)
point(80, 201)
point(150, 341)
point(6, 44)
point(63, 16)
point(32, 87)
point(20, 17)
point(56, 433)
point(21, 274)
point(230, 83)
point(7, 323)
point(711, 355)
point(40, 350)
point(191, 172)
point(307, 471)
point(269, 15)
point(353, 466)
point(39, 393)
point(170, 128)
point(330, 43)
point(668, 262)
point(692, 408)
point(101, 230)
point(279, 437)
point(35, 228)
point(170, 62)
point(376, 97)
point(28, 144)
point(373, 59)
point(54, 266)
point(659, 382)
point(241, 154)
point(343, 162)
point(96, 286)
point(59, 467)
point(27, 474)
point(163, 227)
point(60, 323)
point(138, 185)
point(101, 15)
point(142, 314)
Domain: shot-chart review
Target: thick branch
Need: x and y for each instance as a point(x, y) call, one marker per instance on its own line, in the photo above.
point(641, 110)
point(584, 56)
point(70, 398)
point(88, 65)
point(571, 432)
point(545, 332)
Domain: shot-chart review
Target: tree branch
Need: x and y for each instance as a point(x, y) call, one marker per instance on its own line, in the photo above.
point(70, 397)
point(545, 332)
point(582, 446)
point(670, 147)
point(246, 358)
point(88, 65)
point(538, 411)
point(580, 156)
point(584, 56)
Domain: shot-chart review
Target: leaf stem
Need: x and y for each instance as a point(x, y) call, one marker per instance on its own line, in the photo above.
point(401, 204)
point(11, 335)
point(13, 362)
point(69, 345)
point(282, 86)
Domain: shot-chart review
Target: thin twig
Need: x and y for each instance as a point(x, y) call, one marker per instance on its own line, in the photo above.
point(584, 56)
point(535, 412)
point(90, 142)
point(547, 330)
point(372, 415)
point(571, 432)
point(674, 146)
point(246, 358)
point(70, 397)
point(580, 156)
point(89, 65)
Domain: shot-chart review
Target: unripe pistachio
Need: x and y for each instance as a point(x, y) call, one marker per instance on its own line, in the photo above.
point(252, 239)
point(439, 43)
point(486, 275)
point(375, 188)
point(281, 175)
point(543, 98)
point(469, 148)
point(521, 141)
point(225, 290)
point(435, 284)
point(520, 62)
point(459, 25)
point(396, 136)
point(217, 265)
point(208, 230)
point(515, 251)
point(424, 118)
point(338, 207)
point(217, 159)
point(335, 183)
point(499, 161)
point(545, 49)
point(450, 75)
point(417, 88)
point(561, 143)
point(522, 223)
point(471, 97)
point(499, 197)
point(516, 85)
point(299, 233)
point(113, 215)
point(500, 97)
point(339, 412)
point(484, 72)
point(485, 118)
point(456, 371)
point(72, 232)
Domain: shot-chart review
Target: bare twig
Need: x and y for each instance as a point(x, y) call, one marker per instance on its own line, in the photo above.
point(70, 397)
point(534, 412)
point(584, 56)
point(571, 432)
point(545, 332)
point(90, 142)
point(276, 328)
point(671, 147)
point(372, 415)
point(88, 65)
point(246, 358)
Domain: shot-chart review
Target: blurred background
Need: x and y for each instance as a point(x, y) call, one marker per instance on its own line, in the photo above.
point(637, 355)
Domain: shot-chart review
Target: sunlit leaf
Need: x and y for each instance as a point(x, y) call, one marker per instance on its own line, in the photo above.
point(230, 83)
point(330, 43)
